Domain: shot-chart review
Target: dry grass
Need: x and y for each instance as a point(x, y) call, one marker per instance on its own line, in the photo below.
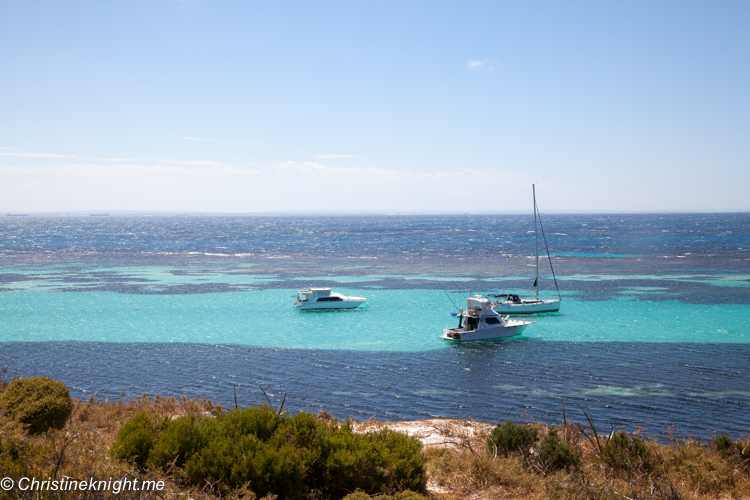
point(682, 470)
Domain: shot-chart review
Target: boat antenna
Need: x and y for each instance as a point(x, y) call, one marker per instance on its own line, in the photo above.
point(549, 257)
point(459, 289)
point(438, 282)
point(447, 294)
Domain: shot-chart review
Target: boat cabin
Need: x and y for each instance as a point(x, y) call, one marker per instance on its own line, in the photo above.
point(324, 298)
point(318, 295)
point(478, 315)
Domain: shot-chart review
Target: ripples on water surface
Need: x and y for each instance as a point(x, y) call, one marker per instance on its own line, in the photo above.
point(653, 327)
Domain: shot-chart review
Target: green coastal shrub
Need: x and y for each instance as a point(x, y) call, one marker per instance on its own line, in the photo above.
point(292, 456)
point(555, 455)
point(234, 461)
point(179, 440)
point(38, 403)
point(375, 462)
point(723, 445)
point(512, 438)
point(260, 421)
point(136, 439)
point(625, 454)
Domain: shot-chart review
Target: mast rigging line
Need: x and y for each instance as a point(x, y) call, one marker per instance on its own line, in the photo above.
point(438, 282)
point(549, 257)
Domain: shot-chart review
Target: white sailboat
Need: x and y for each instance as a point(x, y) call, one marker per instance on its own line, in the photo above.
point(514, 304)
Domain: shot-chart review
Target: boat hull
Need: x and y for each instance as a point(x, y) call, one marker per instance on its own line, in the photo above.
point(527, 307)
point(512, 329)
point(343, 304)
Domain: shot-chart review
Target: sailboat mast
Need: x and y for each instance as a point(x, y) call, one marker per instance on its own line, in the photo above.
point(536, 244)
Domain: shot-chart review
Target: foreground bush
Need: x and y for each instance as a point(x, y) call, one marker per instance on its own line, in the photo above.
point(38, 403)
point(512, 438)
point(723, 446)
point(555, 455)
point(137, 438)
point(623, 454)
point(290, 456)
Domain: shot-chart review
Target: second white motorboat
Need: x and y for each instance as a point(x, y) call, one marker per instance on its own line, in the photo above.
point(324, 298)
point(480, 322)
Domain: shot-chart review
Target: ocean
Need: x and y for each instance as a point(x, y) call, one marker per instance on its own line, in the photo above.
point(653, 332)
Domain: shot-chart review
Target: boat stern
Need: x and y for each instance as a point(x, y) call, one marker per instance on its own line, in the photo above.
point(451, 334)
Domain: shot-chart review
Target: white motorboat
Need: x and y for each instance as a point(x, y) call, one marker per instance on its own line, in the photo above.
point(480, 322)
point(324, 298)
point(509, 303)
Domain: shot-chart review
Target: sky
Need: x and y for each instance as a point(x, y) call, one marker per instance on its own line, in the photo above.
point(383, 106)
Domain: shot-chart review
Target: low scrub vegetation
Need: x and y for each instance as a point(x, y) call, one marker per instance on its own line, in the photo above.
point(573, 462)
point(630, 455)
point(268, 452)
point(203, 452)
point(510, 437)
point(37, 403)
point(554, 455)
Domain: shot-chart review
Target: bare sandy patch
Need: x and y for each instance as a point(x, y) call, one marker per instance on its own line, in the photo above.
point(437, 432)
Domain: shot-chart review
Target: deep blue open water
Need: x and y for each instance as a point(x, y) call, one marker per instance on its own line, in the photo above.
point(653, 330)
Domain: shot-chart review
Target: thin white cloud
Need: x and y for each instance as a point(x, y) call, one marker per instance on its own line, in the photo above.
point(33, 155)
point(477, 65)
point(199, 139)
point(7, 147)
point(330, 156)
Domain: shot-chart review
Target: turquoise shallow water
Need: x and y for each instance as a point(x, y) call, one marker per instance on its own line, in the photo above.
point(392, 320)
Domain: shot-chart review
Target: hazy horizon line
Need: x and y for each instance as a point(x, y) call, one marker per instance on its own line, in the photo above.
point(107, 213)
